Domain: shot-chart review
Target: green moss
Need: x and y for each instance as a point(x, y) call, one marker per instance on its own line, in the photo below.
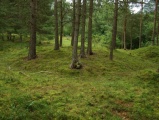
point(46, 88)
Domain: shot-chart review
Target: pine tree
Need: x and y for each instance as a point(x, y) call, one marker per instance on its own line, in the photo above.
point(89, 48)
point(75, 61)
point(155, 20)
point(83, 22)
point(32, 45)
point(114, 30)
point(73, 23)
point(56, 26)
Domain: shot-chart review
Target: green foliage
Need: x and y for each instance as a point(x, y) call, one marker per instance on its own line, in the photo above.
point(15, 17)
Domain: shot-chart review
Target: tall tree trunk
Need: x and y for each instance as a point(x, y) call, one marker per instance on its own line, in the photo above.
point(73, 23)
point(155, 19)
point(2, 37)
point(61, 22)
point(20, 37)
point(75, 62)
point(83, 22)
point(32, 45)
point(124, 32)
point(131, 38)
point(141, 24)
point(122, 41)
point(114, 30)
point(79, 17)
point(9, 36)
point(89, 48)
point(56, 26)
point(125, 24)
point(157, 34)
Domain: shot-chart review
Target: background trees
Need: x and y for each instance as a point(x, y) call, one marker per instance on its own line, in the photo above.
point(56, 18)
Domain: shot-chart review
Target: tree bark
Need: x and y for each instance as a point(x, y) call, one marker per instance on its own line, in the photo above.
point(73, 23)
point(75, 62)
point(124, 31)
point(9, 36)
point(131, 38)
point(114, 30)
point(141, 24)
point(61, 23)
point(154, 28)
point(157, 34)
point(2, 37)
point(32, 45)
point(83, 22)
point(20, 37)
point(79, 16)
point(125, 24)
point(56, 26)
point(89, 48)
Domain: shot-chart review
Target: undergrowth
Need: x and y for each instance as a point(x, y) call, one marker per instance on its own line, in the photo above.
point(46, 88)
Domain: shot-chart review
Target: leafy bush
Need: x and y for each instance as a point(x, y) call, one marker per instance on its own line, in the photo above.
point(100, 39)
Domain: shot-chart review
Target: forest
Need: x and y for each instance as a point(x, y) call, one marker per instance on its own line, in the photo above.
point(79, 60)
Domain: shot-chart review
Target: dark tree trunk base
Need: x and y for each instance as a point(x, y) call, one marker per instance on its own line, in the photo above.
point(90, 53)
point(82, 56)
point(32, 57)
point(75, 65)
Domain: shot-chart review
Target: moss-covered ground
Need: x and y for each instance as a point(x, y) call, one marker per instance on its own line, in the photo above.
point(47, 89)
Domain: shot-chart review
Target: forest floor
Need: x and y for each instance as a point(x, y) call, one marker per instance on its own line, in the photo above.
point(46, 88)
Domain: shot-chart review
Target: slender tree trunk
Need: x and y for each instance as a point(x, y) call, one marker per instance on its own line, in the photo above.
point(9, 36)
point(56, 26)
point(89, 48)
point(125, 24)
point(122, 41)
point(155, 19)
point(141, 24)
point(79, 17)
point(131, 38)
point(75, 62)
point(83, 29)
point(114, 30)
point(20, 37)
point(61, 23)
point(2, 37)
point(73, 23)
point(124, 31)
point(157, 34)
point(32, 45)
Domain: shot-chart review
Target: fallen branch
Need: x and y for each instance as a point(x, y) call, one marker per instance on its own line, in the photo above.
point(22, 73)
point(43, 72)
